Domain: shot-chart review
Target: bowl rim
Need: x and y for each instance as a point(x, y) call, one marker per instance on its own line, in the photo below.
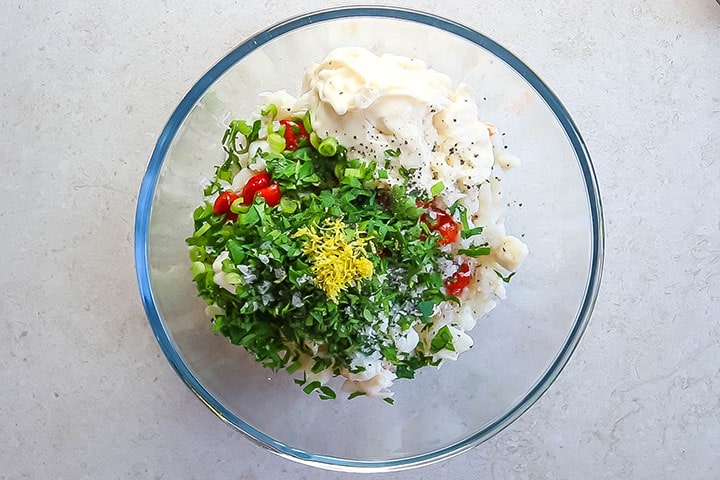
point(149, 184)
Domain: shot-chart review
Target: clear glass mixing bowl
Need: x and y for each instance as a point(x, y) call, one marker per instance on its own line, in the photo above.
point(520, 347)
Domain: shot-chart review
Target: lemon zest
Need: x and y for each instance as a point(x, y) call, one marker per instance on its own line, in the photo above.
point(337, 261)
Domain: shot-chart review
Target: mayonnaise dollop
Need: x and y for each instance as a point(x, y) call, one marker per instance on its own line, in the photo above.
point(374, 103)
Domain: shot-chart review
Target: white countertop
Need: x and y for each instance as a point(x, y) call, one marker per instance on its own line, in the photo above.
point(86, 88)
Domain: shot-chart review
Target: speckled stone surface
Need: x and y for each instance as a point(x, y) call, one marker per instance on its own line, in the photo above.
point(85, 88)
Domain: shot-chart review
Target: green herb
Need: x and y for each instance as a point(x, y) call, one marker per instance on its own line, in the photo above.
point(271, 111)
point(276, 142)
point(476, 251)
point(471, 231)
point(504, 278)
point(436, 189)
point(442, 340)
point(328, 147)
point(426, 308)
point(307, 122)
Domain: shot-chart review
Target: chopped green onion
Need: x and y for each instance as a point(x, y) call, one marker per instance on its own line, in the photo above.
point(293, 367)
point(201, 231)
point(241, 126)
point(307, 123)
point(339, 169)
point(311, 386)
point(269, 110)
point(466, 231)
point(237, 206)
point(197, 268)
point(315, 140)
point(437, 189)
point(475, 251)
point(353, 172)
point(504, 278)
point(233, 278)
point(203, 211)
point(276, 142)
point(197, 254)
point(455, 207)
point(389, 400)
point(355, 395)
point(328, 147)
point(382, 174)
point(288, 205)
point(392, 153)
point(473, 231)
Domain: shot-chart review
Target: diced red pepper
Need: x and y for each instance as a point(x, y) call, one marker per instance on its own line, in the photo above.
point(271, 194)
point(295, 134)
point(448, 229)
point(440, 221)
point(256, 183)
point(222, 204)
point(456, 284)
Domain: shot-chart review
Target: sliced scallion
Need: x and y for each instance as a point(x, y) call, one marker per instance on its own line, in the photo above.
point(271, 110)
point(328, 147)
point(437, 189)
point(197, 268)
point(276, 142)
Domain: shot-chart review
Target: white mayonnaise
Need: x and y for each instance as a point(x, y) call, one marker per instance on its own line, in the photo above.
point(372, 104)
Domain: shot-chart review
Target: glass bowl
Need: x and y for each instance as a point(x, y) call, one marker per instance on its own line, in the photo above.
point(520, 347)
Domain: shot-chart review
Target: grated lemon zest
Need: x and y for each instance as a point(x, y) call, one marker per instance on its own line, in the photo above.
point(336, 262)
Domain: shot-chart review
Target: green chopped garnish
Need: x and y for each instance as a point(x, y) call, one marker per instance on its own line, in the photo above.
point(475, 251)
point(426, 308)
point(197, 268)
point(471, 231)
point(504, 278)
point(442, 340)
point(328, 147)
point(436, 189)
point(307, 122)
point(270, 110)
point(330, 201)
point(276, 142)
